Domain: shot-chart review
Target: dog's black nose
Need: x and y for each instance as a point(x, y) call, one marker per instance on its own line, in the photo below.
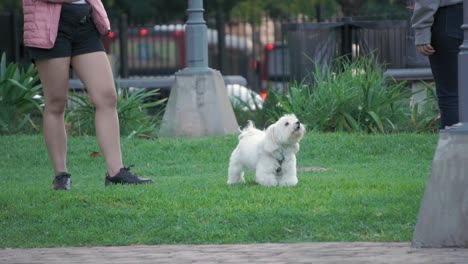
point(297, 126)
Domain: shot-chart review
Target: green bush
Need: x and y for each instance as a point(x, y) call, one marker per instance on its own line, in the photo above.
point(132, 109)
point(354, 98)
point(20, 98)
point(261, 114)
point(425, 117)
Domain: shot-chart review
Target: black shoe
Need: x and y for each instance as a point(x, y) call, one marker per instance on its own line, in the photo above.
point(125, 177)
point(62, 181)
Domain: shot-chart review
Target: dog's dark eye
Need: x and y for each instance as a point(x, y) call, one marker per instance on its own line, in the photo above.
point(287, 124)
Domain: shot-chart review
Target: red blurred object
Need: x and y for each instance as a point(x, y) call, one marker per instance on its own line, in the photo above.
point(111, 34)
point(143, 32)
point(270, 47)
point(177, 33)
point(264, 95)
point(255, 64)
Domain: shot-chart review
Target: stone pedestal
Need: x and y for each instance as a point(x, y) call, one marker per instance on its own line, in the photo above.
point(443, 216)
point(198, 106)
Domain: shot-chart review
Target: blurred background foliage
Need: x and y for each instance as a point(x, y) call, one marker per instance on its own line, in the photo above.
point(175, 10)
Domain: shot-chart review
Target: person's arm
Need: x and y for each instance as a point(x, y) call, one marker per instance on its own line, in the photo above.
point(423, 17)
point(422, 20)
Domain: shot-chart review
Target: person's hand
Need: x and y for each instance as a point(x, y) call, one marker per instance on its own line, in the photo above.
point(425, 49)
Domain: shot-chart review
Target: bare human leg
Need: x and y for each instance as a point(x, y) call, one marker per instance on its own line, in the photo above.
point(54, 74)
point(95, 72)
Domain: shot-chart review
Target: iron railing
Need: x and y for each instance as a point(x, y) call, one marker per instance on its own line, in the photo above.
point(267, 53)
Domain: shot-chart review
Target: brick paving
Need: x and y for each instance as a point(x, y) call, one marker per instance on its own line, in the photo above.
point(343, 253)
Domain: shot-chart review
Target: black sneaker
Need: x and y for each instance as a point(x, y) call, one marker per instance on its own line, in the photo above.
point(125, 177)
point(62, 181)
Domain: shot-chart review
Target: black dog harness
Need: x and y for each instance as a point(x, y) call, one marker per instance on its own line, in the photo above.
point(280, 162)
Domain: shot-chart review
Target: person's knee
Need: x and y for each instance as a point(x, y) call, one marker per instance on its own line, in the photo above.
point(56, 105)
point(106, 98)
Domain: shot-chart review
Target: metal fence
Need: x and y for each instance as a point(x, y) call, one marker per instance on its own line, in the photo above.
point(319, 44)
point(10, 42)
point(268, 53)
point(159, 49)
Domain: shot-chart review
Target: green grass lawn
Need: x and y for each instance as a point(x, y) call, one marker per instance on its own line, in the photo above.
point(371, 192)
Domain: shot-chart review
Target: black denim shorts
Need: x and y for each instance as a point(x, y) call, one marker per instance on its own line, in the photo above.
point(76, 35)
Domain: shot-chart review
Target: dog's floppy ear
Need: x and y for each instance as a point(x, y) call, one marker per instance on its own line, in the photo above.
point(271, 139)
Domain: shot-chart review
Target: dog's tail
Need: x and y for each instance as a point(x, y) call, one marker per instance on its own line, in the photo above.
point(248, 130)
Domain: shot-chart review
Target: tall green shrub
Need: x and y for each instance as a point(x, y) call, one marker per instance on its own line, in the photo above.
point(354, 98)
point(20, 98)
point(425, 116)
point(132, 109)
point(260, 112)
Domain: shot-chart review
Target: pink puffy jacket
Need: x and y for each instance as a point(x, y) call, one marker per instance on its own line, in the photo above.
point(41, 19)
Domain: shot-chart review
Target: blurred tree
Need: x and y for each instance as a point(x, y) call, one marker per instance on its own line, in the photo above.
point(255, 9)
point(399, 9)
point(8, 5)
point(374, 8)
point(350, 7)
point(175, 10)
point(164, 11)
point(317, 9)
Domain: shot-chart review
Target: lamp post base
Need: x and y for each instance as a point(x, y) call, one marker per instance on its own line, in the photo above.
point(443, 215)
point(198, 106)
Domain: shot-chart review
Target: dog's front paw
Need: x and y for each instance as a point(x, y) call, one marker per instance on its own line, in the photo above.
point(234, 180)
point(269, 182)
point(288, 182)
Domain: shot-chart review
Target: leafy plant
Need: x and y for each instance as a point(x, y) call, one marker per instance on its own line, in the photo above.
point(261, 114)
point(425, 116)
point(20, 98)
point(133, 112)
point(354, 98)
point(132, 109)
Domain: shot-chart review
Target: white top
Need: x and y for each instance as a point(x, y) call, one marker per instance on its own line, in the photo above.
point(79, 2)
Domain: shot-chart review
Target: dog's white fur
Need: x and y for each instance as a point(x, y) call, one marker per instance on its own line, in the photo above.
point(271, 153)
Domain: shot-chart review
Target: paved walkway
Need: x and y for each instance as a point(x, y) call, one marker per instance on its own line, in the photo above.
point(342, 253)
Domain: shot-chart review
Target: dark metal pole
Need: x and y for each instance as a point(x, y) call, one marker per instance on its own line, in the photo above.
point(318, 12)
point(220, 23)
point(346, 40)
point(462, 126)
point(462, 70)
point(16, 39)
point(123, 39)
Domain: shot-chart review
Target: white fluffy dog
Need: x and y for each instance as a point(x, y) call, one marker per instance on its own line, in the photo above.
point(271, 153)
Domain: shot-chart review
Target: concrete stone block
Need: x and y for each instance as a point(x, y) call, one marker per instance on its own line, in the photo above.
point(443, 215)
point(198, 106)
